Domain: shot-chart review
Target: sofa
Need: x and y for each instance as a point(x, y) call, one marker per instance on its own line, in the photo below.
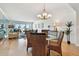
point(13, 35)
point(2, 34)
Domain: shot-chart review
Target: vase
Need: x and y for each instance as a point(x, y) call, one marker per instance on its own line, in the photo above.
point(68, 39)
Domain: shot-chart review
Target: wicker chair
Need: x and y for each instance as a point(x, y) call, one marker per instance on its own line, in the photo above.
point(46, 32)
point(39, 44)
point(56, 45)
point(29, 42)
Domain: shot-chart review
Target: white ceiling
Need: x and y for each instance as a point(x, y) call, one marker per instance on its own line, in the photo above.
point(28, 11)
point(75, 6)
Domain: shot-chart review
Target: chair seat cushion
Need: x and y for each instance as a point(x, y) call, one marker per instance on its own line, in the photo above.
point(53, 42)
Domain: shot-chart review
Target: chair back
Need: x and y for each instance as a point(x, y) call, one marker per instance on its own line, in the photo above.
point(60, 37)
point(38, 44)
point(28, 36)
point(46, 32)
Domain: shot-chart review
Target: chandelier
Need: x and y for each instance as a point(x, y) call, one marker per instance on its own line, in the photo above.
point(44, 15)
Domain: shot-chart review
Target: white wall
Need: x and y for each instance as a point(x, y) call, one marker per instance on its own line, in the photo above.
point(76, 8)
point(77, 29)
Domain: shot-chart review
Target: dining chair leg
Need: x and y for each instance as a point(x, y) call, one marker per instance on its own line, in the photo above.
point(61, 53)
point(27, 48)
point(48, 54)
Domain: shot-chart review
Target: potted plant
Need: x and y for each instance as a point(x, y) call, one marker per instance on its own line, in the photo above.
point(68, 31)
